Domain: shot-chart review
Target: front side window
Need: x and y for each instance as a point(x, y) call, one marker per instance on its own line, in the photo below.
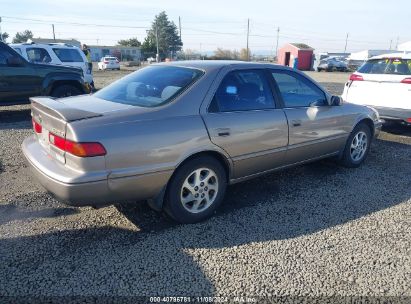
point(393, 66)
point(151, 86)
point(298, 91)
point(18, 50)
point(241, 91)
point(68, 55)
point(38, 55)
point(4, 56)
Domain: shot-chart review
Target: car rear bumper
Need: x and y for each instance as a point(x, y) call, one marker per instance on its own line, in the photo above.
point(387, 113)
point(96, 189)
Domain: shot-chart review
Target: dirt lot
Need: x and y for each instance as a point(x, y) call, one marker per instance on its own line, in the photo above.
point(315, 230)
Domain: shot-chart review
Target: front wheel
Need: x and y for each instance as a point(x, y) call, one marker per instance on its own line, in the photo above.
point(196, 190)
point(357, 146)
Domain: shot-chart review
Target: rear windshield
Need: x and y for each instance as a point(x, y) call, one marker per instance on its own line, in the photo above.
point(150, 87)
point(68, 55)
point(394, 66)
point(110, 58)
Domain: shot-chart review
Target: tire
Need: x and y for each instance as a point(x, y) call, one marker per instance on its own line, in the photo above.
point(319, 70)
point(65, 90)
point(185, 185)
point(357, 146)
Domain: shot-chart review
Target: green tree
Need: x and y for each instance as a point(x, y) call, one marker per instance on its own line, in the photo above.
point(4, 36)
point(169, 41)
point(23, 36)
point(129, 42)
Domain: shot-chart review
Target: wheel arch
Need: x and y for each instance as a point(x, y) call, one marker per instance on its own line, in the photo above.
point(157, 203)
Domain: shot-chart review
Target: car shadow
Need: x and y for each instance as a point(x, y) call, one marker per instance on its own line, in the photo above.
point(11, 212)
point(156, 259)
point(397, 129)
point(9, 116)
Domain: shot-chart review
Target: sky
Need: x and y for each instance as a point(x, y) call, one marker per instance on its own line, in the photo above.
point(207, 25)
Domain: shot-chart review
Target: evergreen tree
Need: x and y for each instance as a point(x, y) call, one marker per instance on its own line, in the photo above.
point(169, 41)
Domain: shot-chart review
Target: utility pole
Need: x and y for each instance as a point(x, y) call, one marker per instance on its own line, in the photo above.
point(390, 44)
point(398, 41)
point(276, 48)
point(54, 35)
point(248, 35)
point(158, 54)
point(346, 41)
point(179, 25)
point(1, 33)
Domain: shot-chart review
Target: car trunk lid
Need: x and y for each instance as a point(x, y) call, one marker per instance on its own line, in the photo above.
point(53, 116)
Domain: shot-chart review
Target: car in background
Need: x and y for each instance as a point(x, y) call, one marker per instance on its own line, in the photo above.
point(177, 133)
point(384, 83)
point(109, 63)
point(57, 54)
point(20, 79)
point(331, 64)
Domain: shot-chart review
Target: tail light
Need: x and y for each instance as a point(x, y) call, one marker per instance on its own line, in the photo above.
point(356, 77)
point(406, 80)
point(117, 61)
point(105, 61)
point(409, 120)
point(36, 126)
point(88, 149)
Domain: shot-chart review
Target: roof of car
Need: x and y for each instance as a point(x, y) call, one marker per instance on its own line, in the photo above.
point(402, 55)
point(43, 45)
point(209, 65)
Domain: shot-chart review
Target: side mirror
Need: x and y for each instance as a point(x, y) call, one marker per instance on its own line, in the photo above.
point(336, 101)
point(14, 61)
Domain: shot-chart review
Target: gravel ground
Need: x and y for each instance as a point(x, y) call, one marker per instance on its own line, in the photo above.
point(314, 230)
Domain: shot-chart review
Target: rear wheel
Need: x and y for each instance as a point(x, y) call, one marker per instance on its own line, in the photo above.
point(196, 190)
point(357, 146)
point(65, 90)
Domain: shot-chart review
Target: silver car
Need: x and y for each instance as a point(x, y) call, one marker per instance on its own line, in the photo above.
point(176, 134)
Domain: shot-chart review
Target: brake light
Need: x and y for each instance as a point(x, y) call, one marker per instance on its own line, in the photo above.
point(356, 77)
point(409, 120)
point(36, 126)
point(105, 61)
point(406, 80)
point(88, 149)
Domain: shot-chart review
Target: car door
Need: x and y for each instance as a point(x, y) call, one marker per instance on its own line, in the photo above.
point(316, 128)
point(18, 79)
point(244, 120)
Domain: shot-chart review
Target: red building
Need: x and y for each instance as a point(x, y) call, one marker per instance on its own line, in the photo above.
point(289, 52)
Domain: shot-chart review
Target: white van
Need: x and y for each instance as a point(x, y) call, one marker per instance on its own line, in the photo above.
point(56, 53)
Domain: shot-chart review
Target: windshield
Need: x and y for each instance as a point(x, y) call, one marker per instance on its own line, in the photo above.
point(68, 55)
point(150, 87)
point(395, 66)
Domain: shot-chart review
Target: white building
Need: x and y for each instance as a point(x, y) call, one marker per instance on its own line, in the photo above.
point(405, 47)
point(364, 55)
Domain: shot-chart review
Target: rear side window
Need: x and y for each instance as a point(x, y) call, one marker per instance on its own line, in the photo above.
point(38, 55)
point(393, 66)
point(298, 91)
point(68, 55)
point(243, 90)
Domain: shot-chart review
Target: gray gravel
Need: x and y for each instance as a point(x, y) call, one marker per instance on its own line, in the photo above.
point(315, 230)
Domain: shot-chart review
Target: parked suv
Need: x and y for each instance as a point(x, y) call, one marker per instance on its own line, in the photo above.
point(332, 64)
point(384, 83)
point(20, 79)
point(56, 53)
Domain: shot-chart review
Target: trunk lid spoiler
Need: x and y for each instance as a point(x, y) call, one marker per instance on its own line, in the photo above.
point(57, 109)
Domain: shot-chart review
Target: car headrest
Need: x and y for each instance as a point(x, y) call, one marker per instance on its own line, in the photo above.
point(169, 91)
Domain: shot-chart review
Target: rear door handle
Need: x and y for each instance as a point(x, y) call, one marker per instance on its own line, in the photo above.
point(223, 132)
point(296, 123)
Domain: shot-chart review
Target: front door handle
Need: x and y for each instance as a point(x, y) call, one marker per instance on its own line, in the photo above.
point(223, 132)
point(296, 123)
